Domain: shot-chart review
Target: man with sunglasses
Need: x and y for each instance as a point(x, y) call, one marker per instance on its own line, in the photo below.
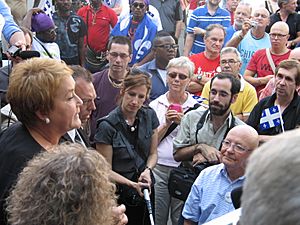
point(210, 196)
point(44, 41)
point(164, 48)
point(140, 29)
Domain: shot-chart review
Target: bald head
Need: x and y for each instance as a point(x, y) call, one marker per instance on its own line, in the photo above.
point(280, 27)
point(295, 54)
point(247, 134)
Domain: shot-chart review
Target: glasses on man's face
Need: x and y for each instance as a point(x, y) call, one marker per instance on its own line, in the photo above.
point(140, 5)
point(237, 148)
point(116, 54)
point(229, 62)
point(279, 36)
point(167, 46)
point(181, 76)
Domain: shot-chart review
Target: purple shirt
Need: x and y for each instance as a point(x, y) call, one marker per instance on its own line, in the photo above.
point(106, 100)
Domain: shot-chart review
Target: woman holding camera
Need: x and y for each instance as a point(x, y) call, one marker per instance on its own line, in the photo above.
point(170, 108)
point(127, 138)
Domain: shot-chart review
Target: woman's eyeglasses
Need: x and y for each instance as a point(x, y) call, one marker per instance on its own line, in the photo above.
point(140, 5)
point(181, 76)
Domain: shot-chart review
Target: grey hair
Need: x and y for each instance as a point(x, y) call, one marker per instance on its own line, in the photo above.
point(230, 50)
point(182, 61)
point(280, 2)
point(271, 193)
point(211, 27)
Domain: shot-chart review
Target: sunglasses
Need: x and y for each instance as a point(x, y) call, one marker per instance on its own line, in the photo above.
point(140, 5)
point(167, 46)
point(181, 76)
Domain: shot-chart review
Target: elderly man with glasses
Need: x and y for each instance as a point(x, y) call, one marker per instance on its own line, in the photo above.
point(210, 196)
point(261, 67)
point(164, 49)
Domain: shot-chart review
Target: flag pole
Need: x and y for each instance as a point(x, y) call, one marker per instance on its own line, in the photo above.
point(281, 120)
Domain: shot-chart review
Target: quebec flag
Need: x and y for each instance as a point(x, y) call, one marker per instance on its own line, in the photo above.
point(270, 117)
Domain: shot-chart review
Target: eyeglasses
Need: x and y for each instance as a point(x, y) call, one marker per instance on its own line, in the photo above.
point(279, 36)
point(230, 62)
point(116, 54)
point(140, 5)
point(236, 148)
point(168, 46)
point(181, 76)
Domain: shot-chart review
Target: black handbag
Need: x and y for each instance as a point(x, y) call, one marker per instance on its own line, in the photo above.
point(181, 179)
point(180, 182)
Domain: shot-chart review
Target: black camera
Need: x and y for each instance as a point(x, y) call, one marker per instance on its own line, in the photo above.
point(15, 51)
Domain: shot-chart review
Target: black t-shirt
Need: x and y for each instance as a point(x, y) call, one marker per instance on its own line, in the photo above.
point(290, 116)
point(17, 147)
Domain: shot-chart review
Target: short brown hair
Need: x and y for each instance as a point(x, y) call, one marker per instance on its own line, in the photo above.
point(290, 64)
point(137, 78)
point(33, 85)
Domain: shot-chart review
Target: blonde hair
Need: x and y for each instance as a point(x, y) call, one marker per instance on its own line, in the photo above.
point(33, 86)
point(68, 185)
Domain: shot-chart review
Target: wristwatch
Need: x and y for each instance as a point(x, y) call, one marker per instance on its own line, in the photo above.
point(199, 77)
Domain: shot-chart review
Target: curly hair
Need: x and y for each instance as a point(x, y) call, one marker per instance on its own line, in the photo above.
point(68, 185)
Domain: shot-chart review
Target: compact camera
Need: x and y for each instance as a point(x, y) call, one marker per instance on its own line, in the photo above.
point(254, 24)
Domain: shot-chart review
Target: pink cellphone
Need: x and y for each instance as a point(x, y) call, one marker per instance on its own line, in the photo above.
point(176, 107)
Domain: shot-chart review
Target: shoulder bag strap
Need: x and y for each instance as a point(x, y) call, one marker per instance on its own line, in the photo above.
point(48, 53)
point(271, 62)
point(200, 123)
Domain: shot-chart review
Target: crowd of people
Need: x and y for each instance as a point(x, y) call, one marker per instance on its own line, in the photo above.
point(103, 100)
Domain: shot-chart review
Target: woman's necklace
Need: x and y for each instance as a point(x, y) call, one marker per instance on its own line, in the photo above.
point(114, 83)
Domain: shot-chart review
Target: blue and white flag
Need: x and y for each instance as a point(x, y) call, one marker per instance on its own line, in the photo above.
point(270, 117)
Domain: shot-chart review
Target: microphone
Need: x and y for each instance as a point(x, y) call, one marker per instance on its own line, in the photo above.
point(28, 54)
point(148, 203)
point(236, 195)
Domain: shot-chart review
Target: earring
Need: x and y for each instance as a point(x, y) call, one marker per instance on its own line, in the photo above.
point(47, 120)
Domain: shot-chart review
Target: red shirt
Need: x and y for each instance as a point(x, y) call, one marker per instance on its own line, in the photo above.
point(259, 64)
point(98, 26)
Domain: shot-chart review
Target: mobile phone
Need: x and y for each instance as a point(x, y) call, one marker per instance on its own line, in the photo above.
point(176, 107)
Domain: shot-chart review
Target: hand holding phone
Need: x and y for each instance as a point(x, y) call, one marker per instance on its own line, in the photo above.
point(176, 107)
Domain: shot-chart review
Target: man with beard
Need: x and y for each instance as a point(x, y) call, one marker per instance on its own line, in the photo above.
point(71, 30)
point(164, 48)
point(287, 78)
point(210, 194)
point(230, 61)
point(242, 13)
point(202, 131)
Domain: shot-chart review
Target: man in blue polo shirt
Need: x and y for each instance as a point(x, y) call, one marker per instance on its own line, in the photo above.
point(202, 17)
